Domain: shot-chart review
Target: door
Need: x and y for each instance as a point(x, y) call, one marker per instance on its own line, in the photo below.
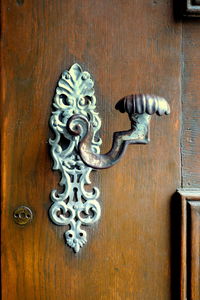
point(128, 47)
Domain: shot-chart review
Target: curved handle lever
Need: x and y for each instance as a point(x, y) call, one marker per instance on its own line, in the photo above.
point(139, 108)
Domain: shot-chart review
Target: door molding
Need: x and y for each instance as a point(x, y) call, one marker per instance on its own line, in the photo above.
point(190, 244)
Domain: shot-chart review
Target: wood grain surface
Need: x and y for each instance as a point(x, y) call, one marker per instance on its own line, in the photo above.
point(129, 47)
point(191, 105)
point(190, 145)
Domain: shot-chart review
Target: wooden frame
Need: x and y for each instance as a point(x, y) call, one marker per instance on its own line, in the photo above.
point(192, 8)
point(190, 244)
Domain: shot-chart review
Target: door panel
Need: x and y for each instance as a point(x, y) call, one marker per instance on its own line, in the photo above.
point(129, 47)
point(190, 244)
point(191, 103)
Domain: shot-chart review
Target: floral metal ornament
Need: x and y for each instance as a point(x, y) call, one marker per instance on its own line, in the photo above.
point(74, 206)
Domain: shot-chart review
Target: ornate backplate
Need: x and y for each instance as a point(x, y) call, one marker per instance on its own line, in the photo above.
point(75, 205)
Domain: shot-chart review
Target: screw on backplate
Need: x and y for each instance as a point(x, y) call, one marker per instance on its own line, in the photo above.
point(22, 215)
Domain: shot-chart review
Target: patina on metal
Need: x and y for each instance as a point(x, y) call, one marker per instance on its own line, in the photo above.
point(139, 108)
point(75, 148)
point(75, 205)
point(22, 215)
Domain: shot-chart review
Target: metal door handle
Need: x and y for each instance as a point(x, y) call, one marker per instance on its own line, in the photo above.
point(139, 108)
point(76, 146)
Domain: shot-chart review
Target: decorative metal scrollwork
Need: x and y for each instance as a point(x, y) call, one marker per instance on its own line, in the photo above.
point(75, 206)
point(76, 146)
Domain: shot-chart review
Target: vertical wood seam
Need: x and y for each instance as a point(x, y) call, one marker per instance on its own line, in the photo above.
point(182, 63)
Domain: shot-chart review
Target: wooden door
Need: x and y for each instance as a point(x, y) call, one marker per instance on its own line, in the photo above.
point(128, 47)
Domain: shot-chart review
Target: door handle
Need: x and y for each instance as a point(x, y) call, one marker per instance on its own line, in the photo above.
point(139, 108)
point(75, 147)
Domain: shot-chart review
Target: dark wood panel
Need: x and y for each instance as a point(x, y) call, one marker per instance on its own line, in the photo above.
point(128, 47)
point(190, 244)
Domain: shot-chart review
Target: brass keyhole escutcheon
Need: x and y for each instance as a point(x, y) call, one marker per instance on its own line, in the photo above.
point(22, 215)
